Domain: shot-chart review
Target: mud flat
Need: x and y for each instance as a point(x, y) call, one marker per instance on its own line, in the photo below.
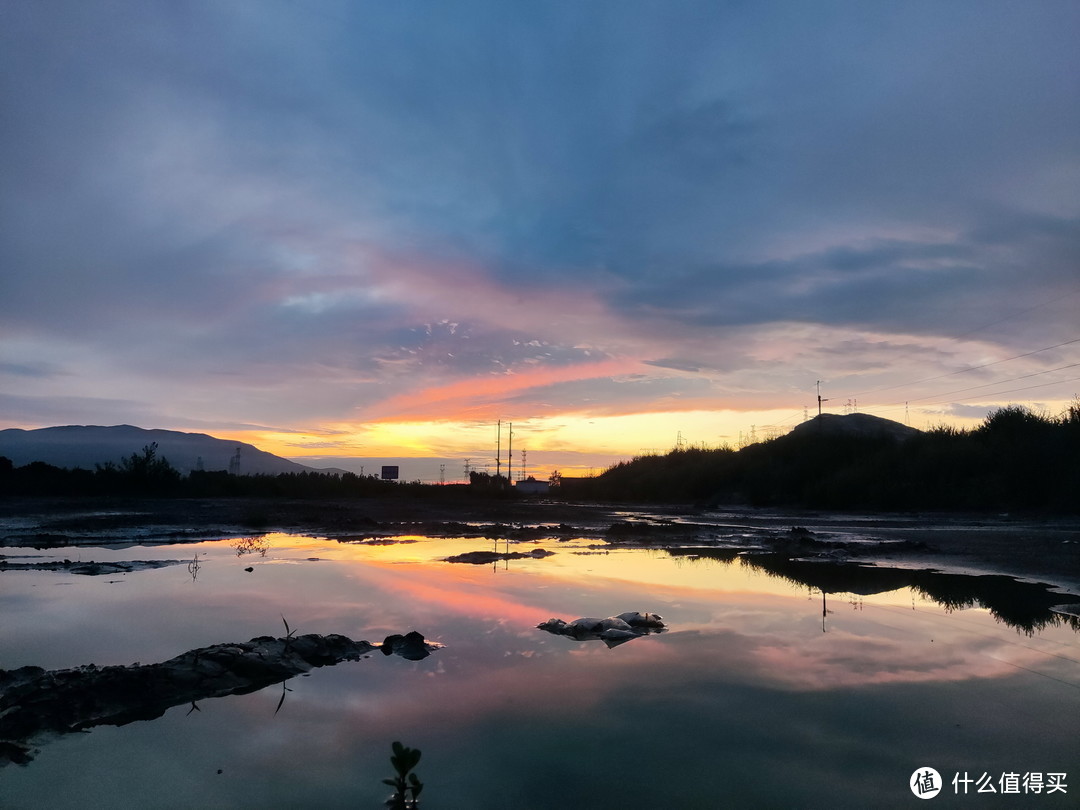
point(1044, 548)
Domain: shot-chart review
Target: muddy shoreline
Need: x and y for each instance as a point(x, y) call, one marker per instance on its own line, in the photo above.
point(1046, 549)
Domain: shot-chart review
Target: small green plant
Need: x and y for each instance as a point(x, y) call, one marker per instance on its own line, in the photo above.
point(288, 634)
point(406, 783)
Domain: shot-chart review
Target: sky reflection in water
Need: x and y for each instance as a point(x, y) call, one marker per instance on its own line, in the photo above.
point(745, 701)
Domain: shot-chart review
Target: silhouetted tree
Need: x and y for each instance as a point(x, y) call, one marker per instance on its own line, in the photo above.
point(145, 472)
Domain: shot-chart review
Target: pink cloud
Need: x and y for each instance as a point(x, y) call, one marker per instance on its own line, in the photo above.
point(479, 397)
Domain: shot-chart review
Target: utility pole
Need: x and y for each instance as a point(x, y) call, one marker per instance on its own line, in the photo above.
point(510, 455)
point(498, 451)
point(442, 474)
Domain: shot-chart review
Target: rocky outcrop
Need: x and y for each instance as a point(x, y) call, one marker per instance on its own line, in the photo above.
point(91, 568)
point(36, 703)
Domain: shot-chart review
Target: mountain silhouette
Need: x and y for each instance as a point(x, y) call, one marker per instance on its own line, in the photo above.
point(87, 445)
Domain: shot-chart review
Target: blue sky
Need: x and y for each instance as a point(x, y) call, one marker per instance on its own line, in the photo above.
point(373, 229)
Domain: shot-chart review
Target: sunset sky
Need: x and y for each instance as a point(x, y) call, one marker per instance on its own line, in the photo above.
point(373, 229)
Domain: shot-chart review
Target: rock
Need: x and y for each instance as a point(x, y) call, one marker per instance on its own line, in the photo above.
point(636, 619)
point(481, 557)
point(613, 630)
point(91, 568)
point(411, 646)
point(553, 626)
point(36, 704)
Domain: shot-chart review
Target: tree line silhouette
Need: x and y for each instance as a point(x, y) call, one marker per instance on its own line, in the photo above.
point(147, 474)
point(1015, 460)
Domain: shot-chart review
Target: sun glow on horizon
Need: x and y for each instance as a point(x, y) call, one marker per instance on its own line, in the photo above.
point(576, 443)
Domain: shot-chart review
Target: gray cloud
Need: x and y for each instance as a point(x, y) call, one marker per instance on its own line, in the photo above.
point(32, 369)
point(33, 410)
point(674, 364)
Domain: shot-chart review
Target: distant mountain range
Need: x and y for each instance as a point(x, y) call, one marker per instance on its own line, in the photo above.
point(87, 445)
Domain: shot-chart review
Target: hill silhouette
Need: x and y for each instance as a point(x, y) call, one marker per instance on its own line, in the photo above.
point(87, 446)
point(853, 424)
point(1016, 459)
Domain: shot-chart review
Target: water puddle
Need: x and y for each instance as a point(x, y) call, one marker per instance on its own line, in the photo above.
point(776, 681)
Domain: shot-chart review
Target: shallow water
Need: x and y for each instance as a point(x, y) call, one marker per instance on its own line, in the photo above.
point(753, 697)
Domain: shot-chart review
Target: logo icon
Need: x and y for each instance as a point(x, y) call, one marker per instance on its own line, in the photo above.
point(925, 783)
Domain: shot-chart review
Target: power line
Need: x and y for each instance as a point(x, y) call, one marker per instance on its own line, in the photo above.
point(988, 394)
point(961, 371)
point(998, 382)
point(798, 413)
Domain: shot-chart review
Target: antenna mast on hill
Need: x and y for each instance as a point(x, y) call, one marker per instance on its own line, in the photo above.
point(819, 399)
point(521, 475)
point(234, 463)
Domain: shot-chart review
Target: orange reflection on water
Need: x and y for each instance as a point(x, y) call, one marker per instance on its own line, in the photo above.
point(750, 627)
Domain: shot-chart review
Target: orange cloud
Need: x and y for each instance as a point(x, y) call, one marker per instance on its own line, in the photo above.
point(477, 397)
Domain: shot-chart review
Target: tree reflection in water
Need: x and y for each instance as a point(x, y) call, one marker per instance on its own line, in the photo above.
point(1027, 607)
